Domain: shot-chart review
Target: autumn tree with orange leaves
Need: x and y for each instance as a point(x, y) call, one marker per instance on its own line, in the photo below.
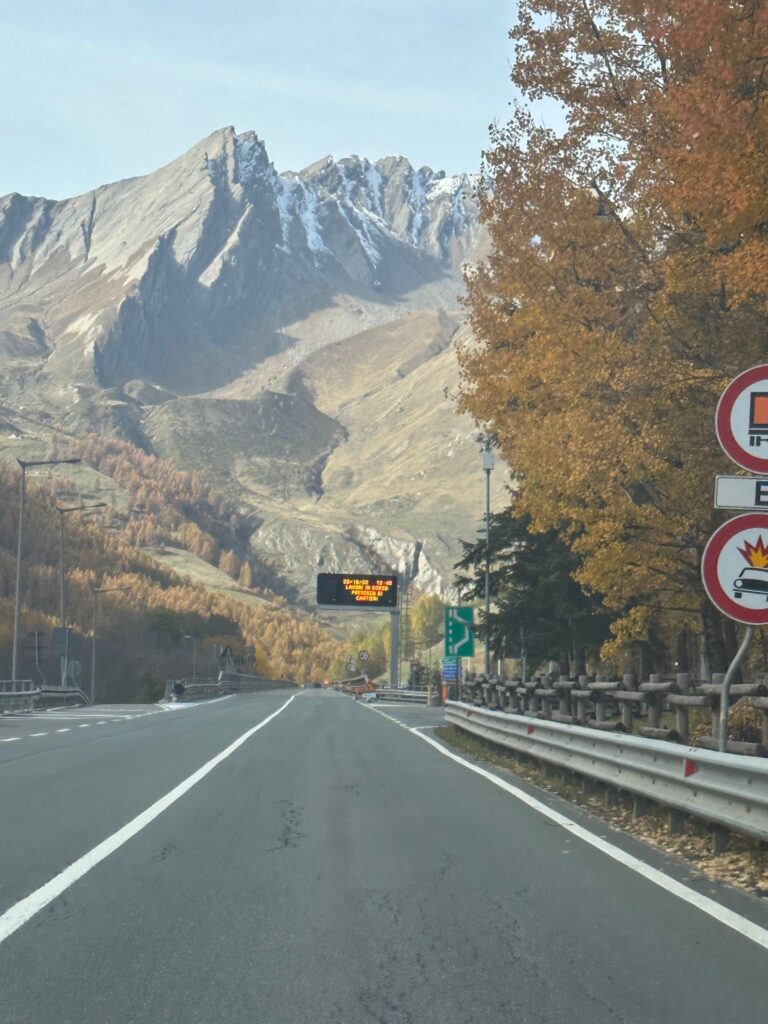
point(626, 284)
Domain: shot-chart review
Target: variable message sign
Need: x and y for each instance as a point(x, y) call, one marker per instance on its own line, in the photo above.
point(351, 590)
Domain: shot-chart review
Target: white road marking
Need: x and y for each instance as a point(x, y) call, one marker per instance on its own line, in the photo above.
point(197, 704)
point(729, 918)
point(63, 730)
point(83, 727)
point(21, 912)
point(32, 735)
point(10, 739)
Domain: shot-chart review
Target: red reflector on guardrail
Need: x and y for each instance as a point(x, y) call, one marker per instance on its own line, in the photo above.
point(529, 729)
point(689, 767)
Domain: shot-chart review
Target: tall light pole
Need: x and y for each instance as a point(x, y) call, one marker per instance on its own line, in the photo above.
point(194, 655)
point(96, 591)
point(487, 469)
point(20, 548)
point(62, 513)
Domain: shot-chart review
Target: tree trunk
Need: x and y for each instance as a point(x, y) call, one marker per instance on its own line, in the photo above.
point(714, 645)
point(579, 662)
point(682, 663)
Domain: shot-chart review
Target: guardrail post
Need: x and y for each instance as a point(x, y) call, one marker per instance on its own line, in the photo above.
point(654, 704)
point(682, 718)
point(676, 822)
point(720, 838)
point(641, 806)
point(628, 682)
point(717, 679)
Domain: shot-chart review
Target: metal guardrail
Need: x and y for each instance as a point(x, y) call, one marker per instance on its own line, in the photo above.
point(26, 695)
point(17, 686)
point(59, 694)
point(403, 696)
point(239, 682)
point(228, 682)
point(645, 708)
point(180, 690)
point(726, 789)
point(18, 694)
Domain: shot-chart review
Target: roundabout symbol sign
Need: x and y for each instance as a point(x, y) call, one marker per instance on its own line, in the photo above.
point(735, 569)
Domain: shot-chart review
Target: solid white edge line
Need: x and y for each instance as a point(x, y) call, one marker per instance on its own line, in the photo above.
point(26, 908)
point(730, 918)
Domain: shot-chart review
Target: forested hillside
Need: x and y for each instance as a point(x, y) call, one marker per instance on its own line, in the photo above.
point(142, 629)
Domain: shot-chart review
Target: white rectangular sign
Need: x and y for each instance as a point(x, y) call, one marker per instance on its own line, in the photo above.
point(741, 492)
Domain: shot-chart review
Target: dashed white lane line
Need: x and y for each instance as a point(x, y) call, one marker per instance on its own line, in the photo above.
point(20, 912)
point(10, 739)
point(88, 726)
point(32, 735)
point(63, 730)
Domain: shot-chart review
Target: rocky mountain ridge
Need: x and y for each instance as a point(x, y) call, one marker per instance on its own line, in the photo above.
point(201, 311)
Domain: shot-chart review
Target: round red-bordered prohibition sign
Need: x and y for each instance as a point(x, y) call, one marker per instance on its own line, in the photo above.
point(734, 568)
point(741, 420)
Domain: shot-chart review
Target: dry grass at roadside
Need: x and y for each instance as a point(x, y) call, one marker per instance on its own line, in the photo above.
point(745, 864)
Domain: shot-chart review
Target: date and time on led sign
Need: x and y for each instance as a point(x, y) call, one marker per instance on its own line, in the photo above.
point(352, 590)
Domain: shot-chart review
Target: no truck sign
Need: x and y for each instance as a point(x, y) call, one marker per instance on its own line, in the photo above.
point(741, 420)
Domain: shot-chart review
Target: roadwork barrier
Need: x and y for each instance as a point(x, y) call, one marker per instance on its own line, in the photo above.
point(403, 696)
point(728, 790)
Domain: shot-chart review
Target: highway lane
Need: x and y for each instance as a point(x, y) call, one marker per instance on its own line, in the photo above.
point(336, 868)
point(62, 793)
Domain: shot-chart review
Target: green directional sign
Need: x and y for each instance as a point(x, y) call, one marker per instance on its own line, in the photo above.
point(459, 637)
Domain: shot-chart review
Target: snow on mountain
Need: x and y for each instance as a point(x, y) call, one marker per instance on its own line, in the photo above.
point(187, 276)
point(287, 334)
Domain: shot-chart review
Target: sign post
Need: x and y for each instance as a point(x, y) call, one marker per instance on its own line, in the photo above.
point(363, 593)
point(734, 565)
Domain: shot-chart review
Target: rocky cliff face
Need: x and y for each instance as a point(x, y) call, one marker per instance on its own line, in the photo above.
point(199, 310)
point(188, 276)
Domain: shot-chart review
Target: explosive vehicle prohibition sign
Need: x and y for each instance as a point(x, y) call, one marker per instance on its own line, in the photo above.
point(735, 569)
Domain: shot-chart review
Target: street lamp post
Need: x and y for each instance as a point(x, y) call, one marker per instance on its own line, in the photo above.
point(20, 549)
point(194, 655)
point(96, 591)
point(487, 468)
point(62, 513)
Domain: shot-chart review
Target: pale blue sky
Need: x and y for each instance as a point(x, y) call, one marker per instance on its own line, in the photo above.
point(97, 90)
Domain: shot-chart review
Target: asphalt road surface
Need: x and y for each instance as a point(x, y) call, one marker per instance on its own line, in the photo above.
point(305, 859)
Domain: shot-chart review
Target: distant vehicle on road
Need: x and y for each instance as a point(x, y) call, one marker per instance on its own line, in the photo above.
point(751, 581)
